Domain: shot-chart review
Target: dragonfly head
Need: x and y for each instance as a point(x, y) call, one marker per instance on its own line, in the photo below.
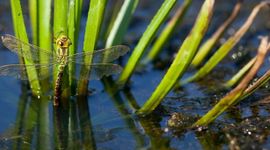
point(63, 42)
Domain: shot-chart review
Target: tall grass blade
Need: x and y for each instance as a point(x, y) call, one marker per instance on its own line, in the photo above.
point(20, 32)
point(34, 19)
point(60, 28)
point(45, 42)
point(260, 82)
point(44, 29)
point(121, 23)
point(112, 10)
point(167, 32)
point(240, 73)
point(226, 47)
point(236, 93)
point(71, 35)
point(145, 40)
point(209, 44)
point(74, 18)
point(78, 12)
point(95, 17)
point(60, 17)
point(182, 59)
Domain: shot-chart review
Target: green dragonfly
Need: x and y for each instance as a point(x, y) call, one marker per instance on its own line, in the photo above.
point(99, 67)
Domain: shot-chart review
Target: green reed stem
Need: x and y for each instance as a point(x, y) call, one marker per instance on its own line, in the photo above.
point(240, 73)
point(109, 19)
point(145, 40)
point(226, 47)
point(182, 59)
point(20, 32)
point(94, 19)
point(210, 43)
point(121, 23)
point(74, 18)
point(71, 35)
point(260, 82)
point(44, 34)
point(33, 20)
point(44, 29)
point(60, 17)
point(44, 42)
point(60, 27)
point(232, 97)
point(167, 32)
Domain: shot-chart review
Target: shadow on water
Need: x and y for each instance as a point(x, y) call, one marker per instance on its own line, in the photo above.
point(75, 126)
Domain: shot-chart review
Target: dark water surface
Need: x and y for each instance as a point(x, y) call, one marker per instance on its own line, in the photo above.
point(107, 121)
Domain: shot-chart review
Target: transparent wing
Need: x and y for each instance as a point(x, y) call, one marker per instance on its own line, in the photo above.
point(28, 51)
point(97, 71)
point(19, 70)
point(101, 56)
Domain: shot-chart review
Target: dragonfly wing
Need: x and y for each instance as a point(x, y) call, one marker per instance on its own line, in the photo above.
point(19, 71)
point(23, 49)
point(97, 71)
point(101, 56)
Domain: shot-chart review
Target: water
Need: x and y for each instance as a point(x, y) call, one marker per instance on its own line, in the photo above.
point(105, 120)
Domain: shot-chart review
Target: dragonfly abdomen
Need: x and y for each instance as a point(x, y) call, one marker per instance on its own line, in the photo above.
point(57, 89)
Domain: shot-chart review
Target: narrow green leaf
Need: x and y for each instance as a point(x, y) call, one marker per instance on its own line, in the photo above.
point(44, 29)
point(60, 28)
point(240, 73)
point(74, 18)
point(121, 23)
point(260, 82)
point(60, 17)
point(223, 104)
point(226, 47)
point(95, 17)
point(20, 32)
point(45, 42)
point(167, 32)
point(232, 97)
point(33, 20)
point(182, 59)
point(209, 44)
point(112, 10)
point(71, 35)
point(146, 39)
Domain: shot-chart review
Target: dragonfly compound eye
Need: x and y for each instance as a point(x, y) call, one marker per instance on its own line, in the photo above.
point(61, 43)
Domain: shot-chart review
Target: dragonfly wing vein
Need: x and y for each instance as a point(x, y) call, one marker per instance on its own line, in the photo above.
point(101, 56)
point(97, 71)
point(19, 71)
point(23, 49)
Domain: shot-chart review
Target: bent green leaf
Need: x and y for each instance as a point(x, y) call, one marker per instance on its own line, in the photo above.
point(182, 59)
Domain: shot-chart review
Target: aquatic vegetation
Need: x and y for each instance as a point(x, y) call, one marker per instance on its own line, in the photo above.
point(59, 57)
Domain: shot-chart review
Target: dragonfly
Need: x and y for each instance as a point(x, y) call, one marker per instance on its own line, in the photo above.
point(101, 61)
